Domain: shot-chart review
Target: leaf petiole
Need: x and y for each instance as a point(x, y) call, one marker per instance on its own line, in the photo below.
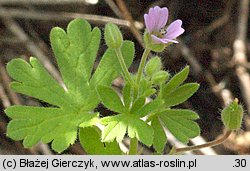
point(209, 144)
point(142, 64)
point(123, 65)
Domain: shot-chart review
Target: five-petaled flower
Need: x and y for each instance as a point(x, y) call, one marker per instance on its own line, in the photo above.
point(156, 21)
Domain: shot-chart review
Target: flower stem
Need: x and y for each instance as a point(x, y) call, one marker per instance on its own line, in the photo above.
point(209, 144)
point(142, 64)
point(123, 65)
point(133, 146)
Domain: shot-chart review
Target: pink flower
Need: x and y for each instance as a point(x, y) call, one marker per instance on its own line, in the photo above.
point(156, 21)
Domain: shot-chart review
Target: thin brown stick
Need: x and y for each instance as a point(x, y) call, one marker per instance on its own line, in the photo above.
point(63, 16)
point(4, 97)
point(127, 16)
point(209, 144)
point(114, 8)
point(40, 2)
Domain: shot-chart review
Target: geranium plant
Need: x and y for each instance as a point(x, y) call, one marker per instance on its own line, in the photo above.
point(144, 109)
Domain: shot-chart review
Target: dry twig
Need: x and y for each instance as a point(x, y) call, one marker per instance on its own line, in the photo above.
point(40, 2)
point(63, 16)
point(127, 15)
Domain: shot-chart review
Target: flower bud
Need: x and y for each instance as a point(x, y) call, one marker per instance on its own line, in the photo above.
point(153, 65)
point(113, 36)
point(160, 77)
point(232, 115)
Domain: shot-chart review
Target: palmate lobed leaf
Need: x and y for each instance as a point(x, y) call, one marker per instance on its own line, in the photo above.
point(127, 120)
point(174, 82)
point(180, 94)
point(180, 122)
point(173, 93)
point(111, 99)
point(33, 80)
point(138, 104)
point(33, 124)
point(119, 124)
point(75, 51)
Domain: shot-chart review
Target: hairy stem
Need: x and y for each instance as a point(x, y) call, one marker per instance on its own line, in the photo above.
point(142, 64)
point(133, 146)
point(209, 144)
point(123, 65)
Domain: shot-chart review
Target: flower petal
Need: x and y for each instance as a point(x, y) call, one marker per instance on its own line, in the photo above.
point(152, 16)
point(148, 23)
point(174, 30)
point(163, 18)
point(158, 40)
point(170, 40)
point(156, 19)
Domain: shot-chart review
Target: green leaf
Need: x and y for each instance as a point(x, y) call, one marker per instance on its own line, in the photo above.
point(174, 82)
point(181, 94)
point(161, 138)
point(114, 130)
point(180, 123)
point(145, 87)
point(149, 92)
point(33, 80)
point(127, 95)
point(75, 52)
point(90, 122)
point(137, 105)
point(33, 124)
point(93, 145)
point(117, 126)
point(150, 107)
point(109, 67)
point(110, 99)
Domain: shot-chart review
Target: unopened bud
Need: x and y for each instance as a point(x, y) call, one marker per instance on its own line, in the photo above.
point(113, 36)
point(160, 77)
point(232, 115)
point(153, 65)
